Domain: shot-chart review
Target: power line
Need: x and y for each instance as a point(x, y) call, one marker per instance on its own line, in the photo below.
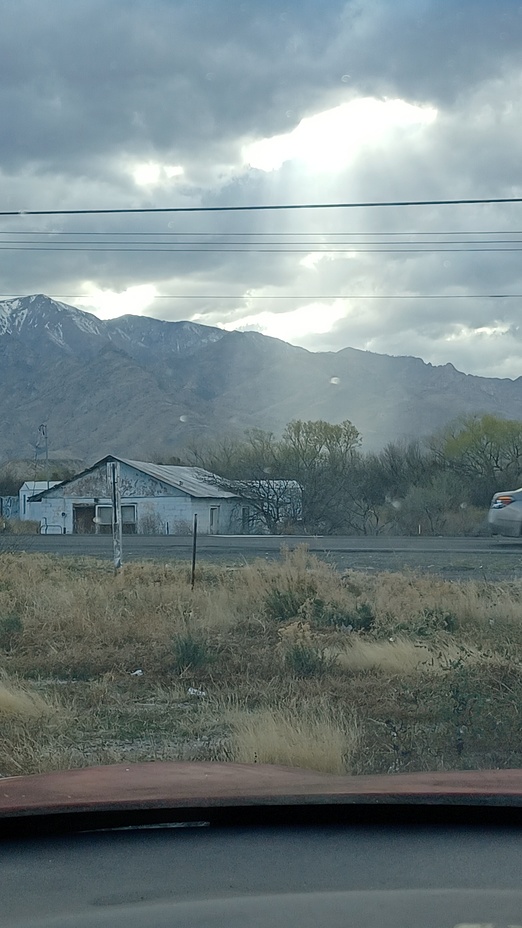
point(252, 251)
point(294, 296)
point(101, 246)
point(259, 208)
point(213, 233)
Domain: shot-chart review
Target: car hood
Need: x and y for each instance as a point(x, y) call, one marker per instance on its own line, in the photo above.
point(174, 785)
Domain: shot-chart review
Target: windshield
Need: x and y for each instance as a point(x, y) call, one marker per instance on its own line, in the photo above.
point(260, 394)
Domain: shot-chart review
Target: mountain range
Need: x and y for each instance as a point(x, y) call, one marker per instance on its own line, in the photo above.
point(145, 388)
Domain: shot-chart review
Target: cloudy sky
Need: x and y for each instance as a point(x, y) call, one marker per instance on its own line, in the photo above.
point(168, 103)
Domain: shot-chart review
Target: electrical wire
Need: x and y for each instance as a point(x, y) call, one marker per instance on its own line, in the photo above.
point(475, 201)
point(294, 296)
point(252, 251)
point(226, 244)
point(213, 233)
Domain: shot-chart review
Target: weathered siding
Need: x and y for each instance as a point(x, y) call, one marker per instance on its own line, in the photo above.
point(160, 509)
point(133, 485)
point(51, 515)
point(155, 515)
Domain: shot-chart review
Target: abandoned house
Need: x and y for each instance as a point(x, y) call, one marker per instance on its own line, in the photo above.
point(156, 499)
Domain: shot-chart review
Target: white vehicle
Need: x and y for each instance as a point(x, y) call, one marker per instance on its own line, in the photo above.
point(505, 513)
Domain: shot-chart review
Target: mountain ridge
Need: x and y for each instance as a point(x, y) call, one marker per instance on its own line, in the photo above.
point(143, 387)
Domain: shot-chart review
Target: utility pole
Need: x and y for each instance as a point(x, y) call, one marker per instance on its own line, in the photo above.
point(194, 549)
point(43, 433)
point(114, 481)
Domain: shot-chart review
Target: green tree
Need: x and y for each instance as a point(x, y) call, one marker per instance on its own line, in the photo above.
point(319, 457)
point(402, 465)
point(322, 458)
point(485, 451)
point(437, 508)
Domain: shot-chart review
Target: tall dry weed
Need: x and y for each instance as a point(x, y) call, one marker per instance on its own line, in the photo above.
point(308, 735)
point(18, 701)
point(402, 657)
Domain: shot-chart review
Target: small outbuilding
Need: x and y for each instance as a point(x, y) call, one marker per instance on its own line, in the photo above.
point(156, 499)
point(27, 492)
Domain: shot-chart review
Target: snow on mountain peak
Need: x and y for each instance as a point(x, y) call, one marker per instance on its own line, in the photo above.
point(40, 319)
point(39, 310)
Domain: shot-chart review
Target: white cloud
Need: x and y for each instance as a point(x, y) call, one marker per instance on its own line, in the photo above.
point(107, 304)
point(315, 318)
point(332, 139)
point(312, 260)
point(150, 173)
point(465, 332)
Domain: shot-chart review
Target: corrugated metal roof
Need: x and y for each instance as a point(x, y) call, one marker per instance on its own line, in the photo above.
point(191, 480)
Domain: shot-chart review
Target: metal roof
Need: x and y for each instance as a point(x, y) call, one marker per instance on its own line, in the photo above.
point(191, 480)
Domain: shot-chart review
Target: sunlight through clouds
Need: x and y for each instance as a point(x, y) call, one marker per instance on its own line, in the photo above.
point(150, 173)
point(315, 318)
point(315, 257)
point(330, 139)
point(107, 304)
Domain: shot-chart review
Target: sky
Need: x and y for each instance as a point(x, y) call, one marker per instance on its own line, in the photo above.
point(212, 103)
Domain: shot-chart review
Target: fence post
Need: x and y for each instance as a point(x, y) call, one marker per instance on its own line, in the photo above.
point(194, 548)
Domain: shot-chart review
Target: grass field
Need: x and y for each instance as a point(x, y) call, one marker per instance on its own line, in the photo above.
point(287, 662)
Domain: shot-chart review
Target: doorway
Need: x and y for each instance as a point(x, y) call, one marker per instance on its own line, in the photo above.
point(245, 520)
point(83, 520)
point(213, 525)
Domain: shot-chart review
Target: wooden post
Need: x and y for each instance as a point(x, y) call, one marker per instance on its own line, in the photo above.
point(194, 548)
point(116, 514)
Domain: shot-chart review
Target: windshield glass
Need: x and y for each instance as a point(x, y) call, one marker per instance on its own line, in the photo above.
point(260, 393)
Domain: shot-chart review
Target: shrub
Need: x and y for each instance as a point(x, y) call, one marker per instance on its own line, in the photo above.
point(305, 661)
point(362, 618)
point(11, 628)
point(182, 527)
point(428, 623)
point(302, 656)
point(190, 653)
point(285, 604)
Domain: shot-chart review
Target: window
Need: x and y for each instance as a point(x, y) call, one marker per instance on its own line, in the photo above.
point(128, 519)
point(104, 515)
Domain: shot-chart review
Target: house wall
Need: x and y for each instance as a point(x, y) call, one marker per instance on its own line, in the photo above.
point(160, 509)
point(54, 515)
point(155, 515)
point(27, 509)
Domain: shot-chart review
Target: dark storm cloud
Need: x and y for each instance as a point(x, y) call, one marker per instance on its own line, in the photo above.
point(88, 80)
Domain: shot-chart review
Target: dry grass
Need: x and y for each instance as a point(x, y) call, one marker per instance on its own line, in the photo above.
point(17, 701)
point(20, 526)
point(402, 657)
point(308, 735)
point(31, 724)
point(299, 664)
